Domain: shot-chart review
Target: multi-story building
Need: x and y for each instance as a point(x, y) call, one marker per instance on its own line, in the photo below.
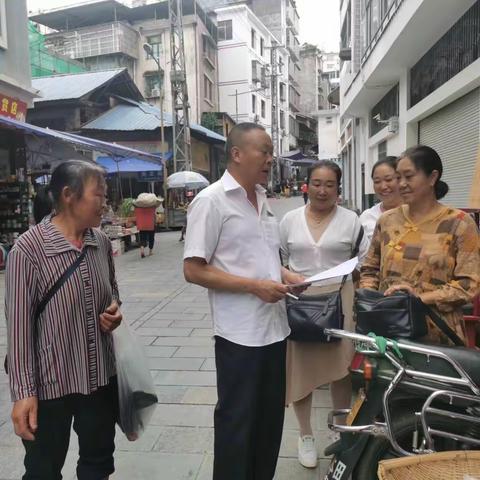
point(410, 74)
point(108, 34)
point(16, 92)
point(282, 20)
point(245, 71)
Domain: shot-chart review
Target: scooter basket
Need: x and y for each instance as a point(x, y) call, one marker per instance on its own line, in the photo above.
point(457, 465)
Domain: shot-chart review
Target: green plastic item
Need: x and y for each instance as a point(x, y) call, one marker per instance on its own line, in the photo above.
point(382, 344)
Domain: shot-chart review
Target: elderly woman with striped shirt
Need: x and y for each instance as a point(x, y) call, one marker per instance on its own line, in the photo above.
point(61, 361)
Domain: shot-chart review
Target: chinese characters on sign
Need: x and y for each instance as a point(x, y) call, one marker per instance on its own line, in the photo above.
point(12, 108)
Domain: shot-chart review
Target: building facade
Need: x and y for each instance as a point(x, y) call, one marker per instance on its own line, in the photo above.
point(245, 71)
point(16, 92)
point(410, 74)
point(109, 34)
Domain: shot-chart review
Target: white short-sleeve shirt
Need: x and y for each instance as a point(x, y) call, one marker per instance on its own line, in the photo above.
point(308, 257)
point(226, 231)
point(369, 219)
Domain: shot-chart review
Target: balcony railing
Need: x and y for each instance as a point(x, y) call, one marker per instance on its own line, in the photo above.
point(104, 39)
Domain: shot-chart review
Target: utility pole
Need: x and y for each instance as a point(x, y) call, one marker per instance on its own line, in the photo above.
point(276, 170)
point(182, 153)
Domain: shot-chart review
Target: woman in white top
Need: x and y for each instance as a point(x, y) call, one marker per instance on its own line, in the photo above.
point(315, 237)
point(385, 185)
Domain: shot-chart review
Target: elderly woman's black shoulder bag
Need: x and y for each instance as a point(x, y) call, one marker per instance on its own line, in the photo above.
point(311, 314)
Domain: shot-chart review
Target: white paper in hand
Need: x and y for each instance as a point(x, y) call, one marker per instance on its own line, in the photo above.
point(344, 268)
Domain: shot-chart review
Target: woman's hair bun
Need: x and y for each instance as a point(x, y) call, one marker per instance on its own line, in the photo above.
point(441, 189)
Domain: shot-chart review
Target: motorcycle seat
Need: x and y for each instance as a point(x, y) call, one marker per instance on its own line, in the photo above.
point(467, 358)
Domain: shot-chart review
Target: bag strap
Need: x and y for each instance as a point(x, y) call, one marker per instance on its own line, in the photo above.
point(53, 290)
point(58, 284)
point(443, 326)
point(355, 251)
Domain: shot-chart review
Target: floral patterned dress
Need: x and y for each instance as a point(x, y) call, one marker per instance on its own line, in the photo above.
point(439, 257)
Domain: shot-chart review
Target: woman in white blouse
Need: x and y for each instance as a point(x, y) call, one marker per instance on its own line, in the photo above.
point(385, 185)
point(315, 237)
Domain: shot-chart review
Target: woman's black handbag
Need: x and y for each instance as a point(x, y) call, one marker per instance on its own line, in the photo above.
point(400, 315)
point(311, 314)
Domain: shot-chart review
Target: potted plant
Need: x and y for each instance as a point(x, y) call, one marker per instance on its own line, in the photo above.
point(127, 211)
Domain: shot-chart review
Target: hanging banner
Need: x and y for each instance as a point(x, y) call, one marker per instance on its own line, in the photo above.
point(12, 108)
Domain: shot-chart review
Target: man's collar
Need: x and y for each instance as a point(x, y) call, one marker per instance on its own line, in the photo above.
point(229, 183)
point(56, 243)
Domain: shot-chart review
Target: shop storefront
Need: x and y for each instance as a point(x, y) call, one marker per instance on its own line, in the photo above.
point(14, 187)
point(25, 148)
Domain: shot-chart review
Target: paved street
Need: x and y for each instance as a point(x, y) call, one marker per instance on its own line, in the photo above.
point(173, 321)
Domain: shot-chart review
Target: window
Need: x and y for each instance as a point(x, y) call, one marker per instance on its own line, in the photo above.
point(386, 108)
point(283, 92)
point(208, 49)
point(254, 104)
point(280, 65)
point(156, 43)
point(382, 150)
point(282, 119)
point(254, 39)
point(3, 25)
point(152, 84)
point(262, 47)
point(224, 30)
point(263, 109)
point(207, 88)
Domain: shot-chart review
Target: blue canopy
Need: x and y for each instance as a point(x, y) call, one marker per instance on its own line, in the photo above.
point(130, 164)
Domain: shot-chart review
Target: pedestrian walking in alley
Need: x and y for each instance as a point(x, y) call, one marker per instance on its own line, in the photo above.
point(385, 184)
point(316, 237)
point(62, 303)
point(145, 207)
point(424, 247)
point(232, 248)
point(304, 189)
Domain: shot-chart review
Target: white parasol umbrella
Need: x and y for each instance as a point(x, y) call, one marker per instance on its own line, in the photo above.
point(187, 179)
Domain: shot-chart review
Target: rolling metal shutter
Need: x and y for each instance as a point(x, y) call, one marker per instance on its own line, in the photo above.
point(454, 132)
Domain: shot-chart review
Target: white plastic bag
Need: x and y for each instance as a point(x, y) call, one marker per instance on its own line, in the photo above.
point(136, 393)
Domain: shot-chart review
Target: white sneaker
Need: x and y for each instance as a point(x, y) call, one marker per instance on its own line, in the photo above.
point(307, 452)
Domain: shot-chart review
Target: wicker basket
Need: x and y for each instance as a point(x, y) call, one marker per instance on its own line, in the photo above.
point(462, 465)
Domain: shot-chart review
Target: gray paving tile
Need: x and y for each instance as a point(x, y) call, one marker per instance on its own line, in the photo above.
point(193, 317)
point(159, 351)
point(200, 396)
point(146, 340)
point(290, 468)
point(184, 341)
point(156, 323)
point(202, 332)
point(192, 323)
point(209, 365)
point(185, 378)
point(157, 363)
point(183, 415)
point(163, 332)
point(198, 352)
point(185, 440)
point(171, 393)
point(144, 444)
point(143, 466)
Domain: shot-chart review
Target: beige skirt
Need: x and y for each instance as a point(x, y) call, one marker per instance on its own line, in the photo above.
point(312, 364)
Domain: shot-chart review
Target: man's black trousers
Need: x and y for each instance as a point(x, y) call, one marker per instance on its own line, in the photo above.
point(250, 410)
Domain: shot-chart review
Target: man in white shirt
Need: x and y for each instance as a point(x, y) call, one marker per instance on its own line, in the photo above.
point(232, 248)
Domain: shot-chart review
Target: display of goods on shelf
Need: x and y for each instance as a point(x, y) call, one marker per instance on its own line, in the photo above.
point(14, 210)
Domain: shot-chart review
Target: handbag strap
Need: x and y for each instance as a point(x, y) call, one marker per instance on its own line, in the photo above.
point(443, 326)
point(53, 290)
point(356, 249)
point(58, 284)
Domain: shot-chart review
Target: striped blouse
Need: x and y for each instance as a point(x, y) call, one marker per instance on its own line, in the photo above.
point(63, 351)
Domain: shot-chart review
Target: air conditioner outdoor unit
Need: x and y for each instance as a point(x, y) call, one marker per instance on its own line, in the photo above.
point(393, 125)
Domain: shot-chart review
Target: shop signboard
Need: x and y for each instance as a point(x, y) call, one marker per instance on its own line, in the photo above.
point(12, 107)
point(153, 176)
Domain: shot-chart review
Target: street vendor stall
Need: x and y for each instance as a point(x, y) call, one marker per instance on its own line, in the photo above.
point(181, 189)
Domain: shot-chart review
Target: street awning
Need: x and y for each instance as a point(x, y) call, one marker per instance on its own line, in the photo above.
point(84, 142)
point(129, 165)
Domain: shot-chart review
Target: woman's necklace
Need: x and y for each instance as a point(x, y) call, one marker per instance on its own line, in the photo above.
point(318, 222)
